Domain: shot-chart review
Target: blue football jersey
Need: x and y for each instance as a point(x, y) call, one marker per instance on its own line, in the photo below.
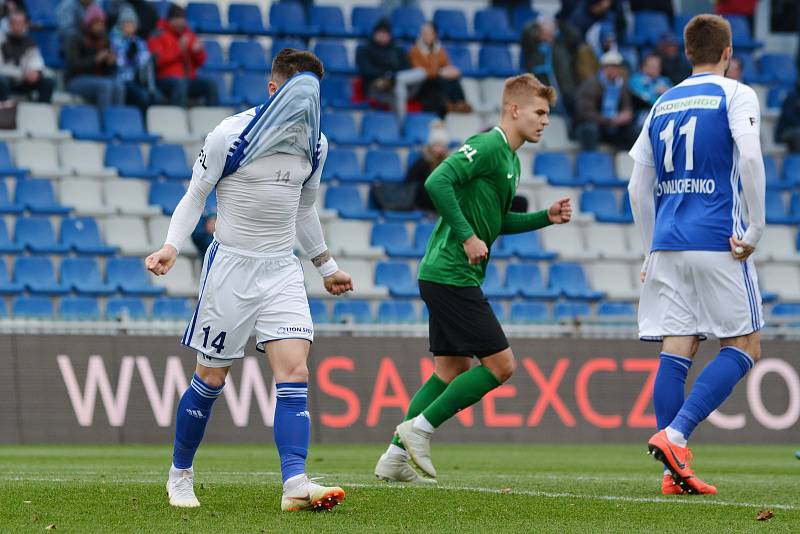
point(689, 137)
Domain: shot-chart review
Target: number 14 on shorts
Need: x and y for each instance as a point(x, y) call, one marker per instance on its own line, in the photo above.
point(217, 343)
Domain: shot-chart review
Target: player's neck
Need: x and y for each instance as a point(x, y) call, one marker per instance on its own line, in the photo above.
point(513, 137)
point(718, 69)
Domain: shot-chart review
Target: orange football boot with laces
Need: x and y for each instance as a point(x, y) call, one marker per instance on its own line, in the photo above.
point(677, 459)
point(670, 487)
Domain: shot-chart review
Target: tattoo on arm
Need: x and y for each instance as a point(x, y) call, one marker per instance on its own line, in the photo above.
point(320, 260)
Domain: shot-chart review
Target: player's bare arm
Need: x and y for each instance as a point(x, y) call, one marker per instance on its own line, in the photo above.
point(339, 282)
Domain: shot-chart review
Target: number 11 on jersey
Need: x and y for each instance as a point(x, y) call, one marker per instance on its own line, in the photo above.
point(667, 135)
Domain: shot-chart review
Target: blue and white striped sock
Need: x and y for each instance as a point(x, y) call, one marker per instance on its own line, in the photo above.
point(194, 410)
point(669, 387)
point(292, 427)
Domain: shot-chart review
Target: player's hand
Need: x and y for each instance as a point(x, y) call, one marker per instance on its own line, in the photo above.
point(338, 283)
point(476, 250)
point(746, 250)
point(161, 261)
point(560, 212)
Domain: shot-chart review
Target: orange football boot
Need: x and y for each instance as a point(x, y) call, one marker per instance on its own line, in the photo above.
point(670, 487)
point(677, 460)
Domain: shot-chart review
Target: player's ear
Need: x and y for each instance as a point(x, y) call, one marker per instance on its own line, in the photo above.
point(272, 88)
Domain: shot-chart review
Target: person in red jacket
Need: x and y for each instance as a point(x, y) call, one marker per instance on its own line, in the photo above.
point(178, 54)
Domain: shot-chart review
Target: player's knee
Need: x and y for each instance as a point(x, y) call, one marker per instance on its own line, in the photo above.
point(502, 368)
point(212, 377)
point(293, 373)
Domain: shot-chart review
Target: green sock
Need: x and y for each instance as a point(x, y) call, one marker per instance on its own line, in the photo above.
point(467, 389)
point(424, 396)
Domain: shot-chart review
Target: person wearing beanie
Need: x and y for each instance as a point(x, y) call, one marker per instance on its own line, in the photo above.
point(434, 152)
point(178, 53)
point(385, 72)
point(21, 63)
point(134, 63)
point(90, 63)
point(146, 14)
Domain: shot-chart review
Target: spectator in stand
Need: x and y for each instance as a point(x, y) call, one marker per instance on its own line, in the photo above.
point(90, 63)
point(735, 69)
point(788, 128)
point(178, 54)
point(546, 52)
point(134, 63)
point(599, 40)
point(674, 64)
point(21, 62)
point(69, 18)
point(663, 6)
point(587, 13)
point(604, 107)
point(146, 14)
point(441, 92)
point(647, 85)
point(434, 153)
point(203, 234)
point(386, 75)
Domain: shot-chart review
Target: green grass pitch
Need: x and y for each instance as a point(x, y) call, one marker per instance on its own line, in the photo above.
point(483, 488)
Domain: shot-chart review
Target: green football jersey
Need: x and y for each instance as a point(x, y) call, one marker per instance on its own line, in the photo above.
point(483, 174)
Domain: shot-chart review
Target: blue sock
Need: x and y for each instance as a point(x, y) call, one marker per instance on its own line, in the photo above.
point(712, 387)
point(292, 427)
point(194, 409)
point(668, 390)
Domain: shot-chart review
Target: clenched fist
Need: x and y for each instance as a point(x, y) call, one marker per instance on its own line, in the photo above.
point(162, 260)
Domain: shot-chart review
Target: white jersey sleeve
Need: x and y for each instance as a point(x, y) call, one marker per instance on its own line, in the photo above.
point(206, 172)
point(308, 227)
point(744, 113)
point(642, 151)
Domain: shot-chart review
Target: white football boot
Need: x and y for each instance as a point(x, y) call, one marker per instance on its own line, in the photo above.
point(418, 445)
point(300, 493)
point(396, 468)
point(180, 488)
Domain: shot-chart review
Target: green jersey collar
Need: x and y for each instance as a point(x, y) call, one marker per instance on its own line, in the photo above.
point(503, 134)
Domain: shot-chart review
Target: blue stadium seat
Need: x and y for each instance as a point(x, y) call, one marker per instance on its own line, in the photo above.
point(495, 60)
point(347, 201)
point(83, 276)
point(597, 168)
point(617, 310)
point(6, 206)
point(791, 169)
point(172, 308)
point(41, 13)
point(215, 58)
point(287, 42)
point(679, 22)
point(461, 57)
point(225, 97)
point(393, 237)
point(289, 18)
point(498, 250)
point(492, 24)
point(342, 164)
point(126, 124)
point(83, 122)
point(249, 56)
point(334, 57)
point(7, 166)
point(397, 312)
point(355, 311)
point(79, 309)
point(128, 160)
point(406, 21)
point(778, 68)
point(648, 27)
point(37, 195)
point(452, 24)
point(6, 245)
point(204, 17)
point(7, 286)
point(337, 92)
point(250, 88)
point(569, 279)
point(132, 308)
point(364, 18)
point(529, 312)
point(166, 195)
point(50, 47)
point(340, 128)
point(526, 279)
point(493, 286)
point(773, 178)
point(36, 234)
point(603, 204)
point(422, 233)
point(499, 310)
point(557, 167)
point(776, 209)
point(382, 128)
point(750, 72)
point(384, 164)
point(319, 311)
point(571, 310)
point(521, 16)
point(417, 127)
point(129, 275)
point(397, 277)
point(170, 161)
point(775, 97)
point(329, 20)
point(527, 246)
point(32, 307)
point(37, 275)
point(246, 19)
point(786, 309)
point(82, 236)
point(742, 36)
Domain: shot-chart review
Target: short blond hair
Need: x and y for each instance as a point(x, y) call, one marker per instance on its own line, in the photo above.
point(706, 37)
point(524, 85)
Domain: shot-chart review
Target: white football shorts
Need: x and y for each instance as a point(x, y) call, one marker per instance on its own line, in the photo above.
point(697, 293)
point(242, 292)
